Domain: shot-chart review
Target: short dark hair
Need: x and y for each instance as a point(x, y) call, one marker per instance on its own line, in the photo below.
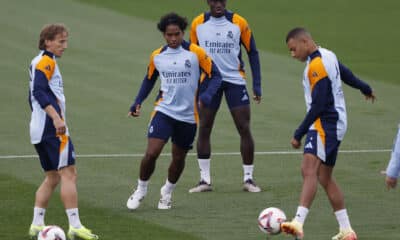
point(295, 32)
point(172, 18)
point(49, 32)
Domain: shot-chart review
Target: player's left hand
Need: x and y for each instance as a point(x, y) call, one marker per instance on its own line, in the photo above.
point(135, 113)
point(390, 182)
point(370, 97)
point(257, 99)
point(295, 144)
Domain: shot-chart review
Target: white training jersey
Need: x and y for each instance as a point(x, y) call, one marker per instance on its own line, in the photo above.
point(45, 82)
point(179, 73)
point(324, 64)
point(221, 39)
point(182, 72)
point(393, 168)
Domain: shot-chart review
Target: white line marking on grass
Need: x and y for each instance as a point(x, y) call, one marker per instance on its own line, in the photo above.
point(194, 154)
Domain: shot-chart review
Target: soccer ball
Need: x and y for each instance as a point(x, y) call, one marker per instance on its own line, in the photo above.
point(270, 219)
point(51, 233)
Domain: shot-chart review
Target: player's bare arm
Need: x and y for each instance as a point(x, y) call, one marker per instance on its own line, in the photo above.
point(59, 124)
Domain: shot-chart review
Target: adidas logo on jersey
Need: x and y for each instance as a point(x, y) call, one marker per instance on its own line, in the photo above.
point(309, 145)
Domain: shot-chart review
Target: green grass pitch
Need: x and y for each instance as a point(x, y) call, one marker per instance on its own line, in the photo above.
point(109, 47)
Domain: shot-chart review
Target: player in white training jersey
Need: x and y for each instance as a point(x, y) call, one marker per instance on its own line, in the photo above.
point(49, 132)
point(393, 168)
point(222, 34)
point(182, 68)
point(324, 126)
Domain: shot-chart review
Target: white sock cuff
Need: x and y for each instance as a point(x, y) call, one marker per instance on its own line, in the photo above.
point(343, 219)
point(170, 185)
point(301, 214)
point(71, 210)
point(38, 216)
point(204, 165)
point(73, 217)
point(142, 185)
point(39, 209)
point(341, 212)
point(204, 160)
point(247, 172)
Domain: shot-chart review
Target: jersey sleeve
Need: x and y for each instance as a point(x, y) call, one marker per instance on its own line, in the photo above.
point(320, 85)
point(148, 81)
point(211, 80)
point(350, 79)
point(43, 72)
point(393, 168)
point(248, 41)
point(193, 32)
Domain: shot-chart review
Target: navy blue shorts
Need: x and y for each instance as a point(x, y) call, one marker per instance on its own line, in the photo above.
point(325, 148)
point(235, 96)
point(55, 153)
point(163, 127)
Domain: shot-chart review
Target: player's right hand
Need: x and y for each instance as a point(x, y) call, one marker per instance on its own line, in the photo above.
point(59, 124)
point(257, 99)
point(134, 111)
point(295, 144)
point(370, 97)
point(390, 182)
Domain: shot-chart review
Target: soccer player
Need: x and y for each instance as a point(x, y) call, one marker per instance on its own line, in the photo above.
point(393, 168)
point(49, 133)
point(324, 126)
point(182, 68)
point(222, 33)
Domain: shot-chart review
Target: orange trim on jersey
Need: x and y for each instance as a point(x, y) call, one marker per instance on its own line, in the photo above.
point(193, 32)
point(320, 130)
point(156, 103)
point(152, 114)
point(204, 60)
point(242, 73)
point(64, 140)
point(316, 71)
point(202, 77)
point(245, 32)
point(151, 67)
point(47, 66)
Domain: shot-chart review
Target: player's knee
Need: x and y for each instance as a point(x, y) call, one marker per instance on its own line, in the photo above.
point(177, 166)
point(323, 181)
point(205, 128)
point(244, 129)
point(150, 156)
point(308, 172)
point(52, 180)
point(68, 174)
